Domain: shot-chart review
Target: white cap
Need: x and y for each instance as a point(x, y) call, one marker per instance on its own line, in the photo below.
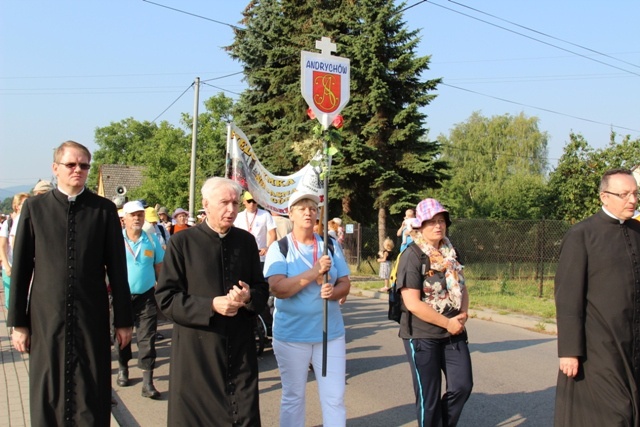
point(300, 195)
point(131, 207)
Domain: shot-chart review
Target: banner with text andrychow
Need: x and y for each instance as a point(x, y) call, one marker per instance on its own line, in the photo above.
point(271, 191)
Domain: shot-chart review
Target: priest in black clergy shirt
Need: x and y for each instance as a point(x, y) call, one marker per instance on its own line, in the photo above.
point(597, 292)
point(211, 286)
point(67, 240)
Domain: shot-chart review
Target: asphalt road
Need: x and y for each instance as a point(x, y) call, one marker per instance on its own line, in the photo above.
point(514, 377)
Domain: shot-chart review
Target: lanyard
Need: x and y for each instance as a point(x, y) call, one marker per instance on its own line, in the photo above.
point(315, 251)
point(250, 224)
point(126, 243)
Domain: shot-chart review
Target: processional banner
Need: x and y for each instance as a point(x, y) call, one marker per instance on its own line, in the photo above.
point(271, 191)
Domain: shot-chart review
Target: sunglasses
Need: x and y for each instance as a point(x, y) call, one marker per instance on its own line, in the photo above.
point(73, 165)
point(251, 201)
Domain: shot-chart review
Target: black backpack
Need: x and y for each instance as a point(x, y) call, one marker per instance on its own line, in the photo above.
point(395, 299)
point(284, 245)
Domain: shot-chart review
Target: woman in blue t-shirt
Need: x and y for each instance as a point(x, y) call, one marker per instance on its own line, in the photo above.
point(296, 282)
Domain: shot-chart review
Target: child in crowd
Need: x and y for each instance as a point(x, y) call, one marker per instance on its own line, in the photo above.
point(384, 258)
point(405, 228)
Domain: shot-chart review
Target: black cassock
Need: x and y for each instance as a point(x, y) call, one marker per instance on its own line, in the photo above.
point(68, 247)
point(214, 370)
point(598, 311)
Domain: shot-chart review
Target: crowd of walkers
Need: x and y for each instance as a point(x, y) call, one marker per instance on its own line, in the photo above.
point(80, 273)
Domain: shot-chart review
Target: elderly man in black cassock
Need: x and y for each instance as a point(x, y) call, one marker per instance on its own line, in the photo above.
point(597, 291)
point(68, 240)
point(211, 286)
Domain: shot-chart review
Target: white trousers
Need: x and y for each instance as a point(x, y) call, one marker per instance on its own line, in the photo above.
point(293, 361)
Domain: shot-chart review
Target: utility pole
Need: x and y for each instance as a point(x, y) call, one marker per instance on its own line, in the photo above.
point(194, 137)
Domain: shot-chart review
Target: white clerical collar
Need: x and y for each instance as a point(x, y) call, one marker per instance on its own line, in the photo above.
point(612, 215)
point(216, 231)
point(71, 198)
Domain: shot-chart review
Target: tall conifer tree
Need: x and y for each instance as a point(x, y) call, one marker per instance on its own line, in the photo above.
point(384, 160)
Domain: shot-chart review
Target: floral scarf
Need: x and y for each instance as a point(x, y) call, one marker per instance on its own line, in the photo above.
point(443, 260)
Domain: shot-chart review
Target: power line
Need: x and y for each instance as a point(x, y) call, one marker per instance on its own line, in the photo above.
point(235, 27)
point(542, 78)
point(456, 87)
point(185, 91)
point(546, 35)
point(409, 7)
point(219, 88)
point(97, 92)
point(116, 75)
point(104, 90)
point(75, 88)
point(165, 110)
point(535, 39)
point(540, 108)
point(222, 77)
point(531, 58)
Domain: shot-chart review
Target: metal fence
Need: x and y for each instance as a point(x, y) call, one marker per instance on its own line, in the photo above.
point(490, 249)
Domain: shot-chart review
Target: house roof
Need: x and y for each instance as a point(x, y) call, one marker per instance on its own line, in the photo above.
point(114, 176)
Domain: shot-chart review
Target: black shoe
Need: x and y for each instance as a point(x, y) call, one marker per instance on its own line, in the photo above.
point(148, 390)
point(123, 377)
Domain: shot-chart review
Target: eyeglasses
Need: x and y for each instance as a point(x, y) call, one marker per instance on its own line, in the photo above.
point(73, 165)
point(251, 201)
point(623, 196)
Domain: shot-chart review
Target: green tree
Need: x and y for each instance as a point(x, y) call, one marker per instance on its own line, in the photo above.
point(127, 142)
point(384, 160)
point(271, 111)
point(498, 167)
point(573, 185)
point(165, 151)
point(5, 206)
point(167, 169)
point(212, 135)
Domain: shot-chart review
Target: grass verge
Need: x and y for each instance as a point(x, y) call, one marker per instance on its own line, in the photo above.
point(505, 296)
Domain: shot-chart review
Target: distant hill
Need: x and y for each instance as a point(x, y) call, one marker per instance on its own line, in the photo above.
point(12, 191)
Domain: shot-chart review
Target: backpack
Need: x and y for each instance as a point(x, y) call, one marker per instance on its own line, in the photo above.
point(283, 244)
point(163, 231)
point(395, 299)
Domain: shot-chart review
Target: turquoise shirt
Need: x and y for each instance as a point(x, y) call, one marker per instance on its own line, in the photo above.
point(142, 256)
point(299, 317)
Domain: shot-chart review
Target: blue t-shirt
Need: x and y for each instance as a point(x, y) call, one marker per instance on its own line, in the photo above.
point(299, 318)
point(142, 256)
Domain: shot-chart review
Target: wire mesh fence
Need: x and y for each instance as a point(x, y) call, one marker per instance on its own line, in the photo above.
point(525, 251)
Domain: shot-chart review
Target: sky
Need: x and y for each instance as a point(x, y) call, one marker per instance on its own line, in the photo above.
point(69, 67)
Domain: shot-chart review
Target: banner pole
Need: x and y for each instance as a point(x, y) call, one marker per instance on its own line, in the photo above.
point(325, 220)
point(227, 157)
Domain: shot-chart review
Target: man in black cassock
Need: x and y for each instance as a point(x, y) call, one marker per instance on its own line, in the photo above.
point(211, 286)
point(67, 240)
point(597, 292)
